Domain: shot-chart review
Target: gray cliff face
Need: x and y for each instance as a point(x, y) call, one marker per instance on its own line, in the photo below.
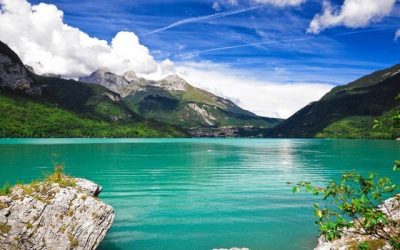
point(14, 76)
point(119, 84)
point(390, 207)
point(49, 216)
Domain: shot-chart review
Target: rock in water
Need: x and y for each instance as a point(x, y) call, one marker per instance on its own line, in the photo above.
point(52, 214)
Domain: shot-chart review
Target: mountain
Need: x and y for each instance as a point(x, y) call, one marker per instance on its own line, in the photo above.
point(174, 101)
point(349, 111)
point(42, 106)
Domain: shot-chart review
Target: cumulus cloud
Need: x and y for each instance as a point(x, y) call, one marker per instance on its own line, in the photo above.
point(40, 37)
point(352, 14)
point(264, 98)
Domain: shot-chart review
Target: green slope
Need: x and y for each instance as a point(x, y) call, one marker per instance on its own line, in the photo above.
point(362, 127)
point(348, 111)
point(193, 108)
point(89, 99)
point(24, 117)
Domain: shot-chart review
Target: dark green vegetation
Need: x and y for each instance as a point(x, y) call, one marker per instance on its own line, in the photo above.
point(349, 111)
point(67, 108)
point(25, 117)
point(360, 127)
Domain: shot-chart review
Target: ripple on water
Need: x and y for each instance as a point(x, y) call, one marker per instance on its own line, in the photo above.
point(202, 193)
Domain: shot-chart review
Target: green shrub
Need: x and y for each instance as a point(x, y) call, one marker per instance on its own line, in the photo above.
point(354, 202)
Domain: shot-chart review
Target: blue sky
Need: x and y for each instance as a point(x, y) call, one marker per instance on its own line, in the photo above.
point(271, 57)
point(331, 56)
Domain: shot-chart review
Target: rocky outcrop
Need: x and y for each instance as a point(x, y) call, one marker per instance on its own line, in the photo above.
point(14, 76)
point(54, 215)
point(352, 237)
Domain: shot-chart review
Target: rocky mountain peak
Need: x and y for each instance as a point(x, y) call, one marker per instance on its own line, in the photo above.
point(130, 76)
point(174, 82)
point(105, 77)
point(102, 70)
point(174, 78)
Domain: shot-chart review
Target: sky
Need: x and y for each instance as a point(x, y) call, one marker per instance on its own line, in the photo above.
point(271, 57)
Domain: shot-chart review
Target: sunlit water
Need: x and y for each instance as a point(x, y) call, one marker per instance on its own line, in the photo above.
point(202, 193)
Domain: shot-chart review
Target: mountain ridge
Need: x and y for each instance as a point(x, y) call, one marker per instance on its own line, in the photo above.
point(367, 98)
point(174, 101)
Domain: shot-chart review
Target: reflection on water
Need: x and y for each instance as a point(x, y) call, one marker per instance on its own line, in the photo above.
point(202, 193)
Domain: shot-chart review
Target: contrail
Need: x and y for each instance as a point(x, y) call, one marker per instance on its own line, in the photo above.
point(281, 41)
point(202, 19)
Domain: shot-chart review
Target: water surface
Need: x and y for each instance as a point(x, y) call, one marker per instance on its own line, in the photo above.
point(202, 193)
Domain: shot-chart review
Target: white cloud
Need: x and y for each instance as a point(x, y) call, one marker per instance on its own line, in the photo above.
point(352, 14)
point(397, 35)
point(261, 97)
point(40, 37)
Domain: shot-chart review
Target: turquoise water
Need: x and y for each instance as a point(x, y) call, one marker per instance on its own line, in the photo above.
point(202, 193)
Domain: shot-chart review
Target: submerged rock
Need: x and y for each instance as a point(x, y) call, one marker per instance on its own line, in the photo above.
point(352, 237)
point(54, 215)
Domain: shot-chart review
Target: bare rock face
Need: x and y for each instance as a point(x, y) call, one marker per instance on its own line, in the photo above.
point(47, 215)
point(352, 236)
point(14, 76)
point(173, 82)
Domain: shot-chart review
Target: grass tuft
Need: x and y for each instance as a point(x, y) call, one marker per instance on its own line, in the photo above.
point(6, 189)
point(60, 178)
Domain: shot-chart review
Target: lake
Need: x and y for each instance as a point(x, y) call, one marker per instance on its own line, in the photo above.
point(202, 193)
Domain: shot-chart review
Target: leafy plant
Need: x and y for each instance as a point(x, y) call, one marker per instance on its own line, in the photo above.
point(356, 201)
